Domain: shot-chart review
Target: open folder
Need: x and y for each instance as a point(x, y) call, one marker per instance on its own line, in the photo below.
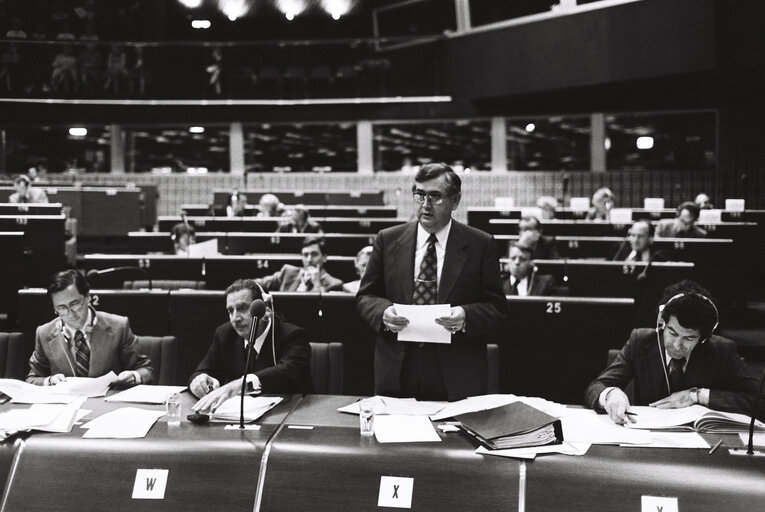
point(514, 425)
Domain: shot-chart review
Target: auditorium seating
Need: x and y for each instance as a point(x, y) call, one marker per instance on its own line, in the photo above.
point(202, 210)
point(163, 352)
point(269, 225)
point(308, 197)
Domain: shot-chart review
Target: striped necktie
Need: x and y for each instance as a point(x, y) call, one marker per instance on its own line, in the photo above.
point(426, 285)
point(81, 354)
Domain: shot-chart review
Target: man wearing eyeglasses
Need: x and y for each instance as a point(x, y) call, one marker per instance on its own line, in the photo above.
point(83, 342)
point(435, 260)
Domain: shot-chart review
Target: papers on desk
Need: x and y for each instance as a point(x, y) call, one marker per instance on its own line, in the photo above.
point(422, 327)
point(23, 393)
point(403, 406)
point(676, 440)
point(45, 417)
point(565, 448)
point(86, 386)
point(145, 394)
point(124, 423)
point(254, 408)
point(695, 417)
point(395, 428)
point(586, 426)
point(484, 402)
point(758, 440)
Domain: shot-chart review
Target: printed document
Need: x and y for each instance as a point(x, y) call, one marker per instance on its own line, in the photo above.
point(422, 325)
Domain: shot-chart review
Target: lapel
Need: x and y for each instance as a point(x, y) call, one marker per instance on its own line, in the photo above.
point(100, 345)
point(58, 348)
point(403, 261)
point(653, 384)
point(454, 261)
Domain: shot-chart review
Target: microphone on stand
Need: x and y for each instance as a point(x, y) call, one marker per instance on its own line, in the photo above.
point(97, 273)
point(257, 310)
point(750, 446)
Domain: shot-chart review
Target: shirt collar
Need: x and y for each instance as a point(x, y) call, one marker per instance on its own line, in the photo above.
point(260, 339)
point(90, 321)
point(442, 235)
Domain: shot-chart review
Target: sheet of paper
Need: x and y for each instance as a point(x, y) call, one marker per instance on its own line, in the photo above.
point(65, 420)
point(86, 386)
point(676, 440)
point(254, 408)
point(124, 423)
point(204, 249)
point(759, 438)
point(473, 404)
point(422, 325)
point(565, 448)
point(586, 426)
point(145, 394)
point(654, 418)
point(390, 405)
point(396, 428)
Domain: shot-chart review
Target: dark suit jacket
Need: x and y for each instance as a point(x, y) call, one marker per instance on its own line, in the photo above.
point(288, 279)
point(113, 346)
point(226, 357)
point(620, 252)
point(714, 364)
point(541, 285)
point(545, 249)
point(469, 278)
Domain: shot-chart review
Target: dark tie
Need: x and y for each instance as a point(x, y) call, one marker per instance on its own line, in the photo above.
point(81, 354)
point(676, 375)
point(426, 286)
point(514, 288)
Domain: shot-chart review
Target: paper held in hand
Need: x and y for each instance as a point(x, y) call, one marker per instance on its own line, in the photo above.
point(422, 327)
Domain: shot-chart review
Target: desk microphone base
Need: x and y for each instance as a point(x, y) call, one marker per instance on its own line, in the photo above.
point(743, 451)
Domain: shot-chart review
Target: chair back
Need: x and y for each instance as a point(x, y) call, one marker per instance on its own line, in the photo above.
point(327, 368)
point(492, 360)
point(163, 352)
point(164, 284)
point(13, 364)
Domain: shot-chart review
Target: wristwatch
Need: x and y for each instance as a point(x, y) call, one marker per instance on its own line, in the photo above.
point(694, 394)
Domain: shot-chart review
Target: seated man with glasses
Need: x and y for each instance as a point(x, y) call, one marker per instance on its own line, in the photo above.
point(433, 260)
point(83, 342)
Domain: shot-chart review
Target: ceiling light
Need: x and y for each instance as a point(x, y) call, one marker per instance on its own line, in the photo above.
point(196, 129)
point(191, 4)
point(644, 142)
point(200, 24)
point(78, 132)
point(531, 127)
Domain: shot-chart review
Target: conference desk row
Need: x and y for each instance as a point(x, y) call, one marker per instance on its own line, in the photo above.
point(250, 210)
point(310, 197)
point(308, 456)
point(551, 346)
point(350, 225)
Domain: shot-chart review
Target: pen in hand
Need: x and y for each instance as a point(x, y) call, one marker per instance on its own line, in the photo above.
point(630, 413)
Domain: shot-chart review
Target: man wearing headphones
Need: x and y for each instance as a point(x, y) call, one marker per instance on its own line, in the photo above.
point(522, 278)
point(83, 342)
point(280, 359)
point(678, 364)
point(682, 226)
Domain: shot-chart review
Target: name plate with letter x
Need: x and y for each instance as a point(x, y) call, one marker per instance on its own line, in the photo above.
point(395, 492)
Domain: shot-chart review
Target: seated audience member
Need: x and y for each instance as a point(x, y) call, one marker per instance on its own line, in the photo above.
point(530, 231)
point(26, 193)
point(83, 342)
point(299, 221)
point(703, 202)
point(182, 235)
point(280, 359)
point(269, 206)
point(678, 364)
point(237, 203)
point(311, 277)
point(602, 202)
point(548, 205)
point(362, 258)
point(682, 226)
point(523, 278)
point(638, 246)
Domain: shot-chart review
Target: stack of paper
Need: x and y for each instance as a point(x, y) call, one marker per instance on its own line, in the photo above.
point(124, 423)
point(145, 394)
point(254, 408)
point(404, 429)
point(403, 406)
point(45, 417)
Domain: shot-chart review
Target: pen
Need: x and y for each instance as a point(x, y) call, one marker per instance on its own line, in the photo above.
point(630, 413)
point(716, 446)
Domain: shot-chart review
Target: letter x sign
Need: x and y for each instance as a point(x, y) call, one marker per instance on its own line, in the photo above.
point(395, 492)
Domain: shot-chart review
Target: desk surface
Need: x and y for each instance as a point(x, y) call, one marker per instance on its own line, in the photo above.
point(330, 467)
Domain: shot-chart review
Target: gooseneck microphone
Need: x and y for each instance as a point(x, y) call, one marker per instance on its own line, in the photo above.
point(257, 310)
point(92, 273)
point(750, 445)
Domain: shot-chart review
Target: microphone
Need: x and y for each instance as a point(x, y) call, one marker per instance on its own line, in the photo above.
point(93, 273)
point(257, 310)
point(750, 445)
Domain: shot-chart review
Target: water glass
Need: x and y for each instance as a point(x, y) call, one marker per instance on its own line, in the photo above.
point(173, 408)
point(367, 417)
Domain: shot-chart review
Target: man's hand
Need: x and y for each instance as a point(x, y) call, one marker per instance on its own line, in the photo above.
point(203, 384)
point(392, 321)
point(617, 405)
point(455, 321)
point(675, 400)
point(214, 399)
point(312, 275)
point(125, 379)
point(55, 379)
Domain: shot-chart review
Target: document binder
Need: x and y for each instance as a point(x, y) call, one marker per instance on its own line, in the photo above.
point(515, 425)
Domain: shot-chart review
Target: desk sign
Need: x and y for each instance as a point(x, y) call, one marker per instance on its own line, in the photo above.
point(395, 491)
point(150, 484)
point(658, 504)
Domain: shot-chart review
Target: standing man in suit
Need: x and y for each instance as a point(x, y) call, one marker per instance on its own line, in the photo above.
point(678, 364)
point(433, 260)
point(280, 359)
point(523, 278)
point(311, 277)
point(83, 342)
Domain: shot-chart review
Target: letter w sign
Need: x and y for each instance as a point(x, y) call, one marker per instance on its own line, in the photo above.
point(150, 484)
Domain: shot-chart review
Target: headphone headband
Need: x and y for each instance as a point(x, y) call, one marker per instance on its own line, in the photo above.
point(704, 297)
point(267, 297)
